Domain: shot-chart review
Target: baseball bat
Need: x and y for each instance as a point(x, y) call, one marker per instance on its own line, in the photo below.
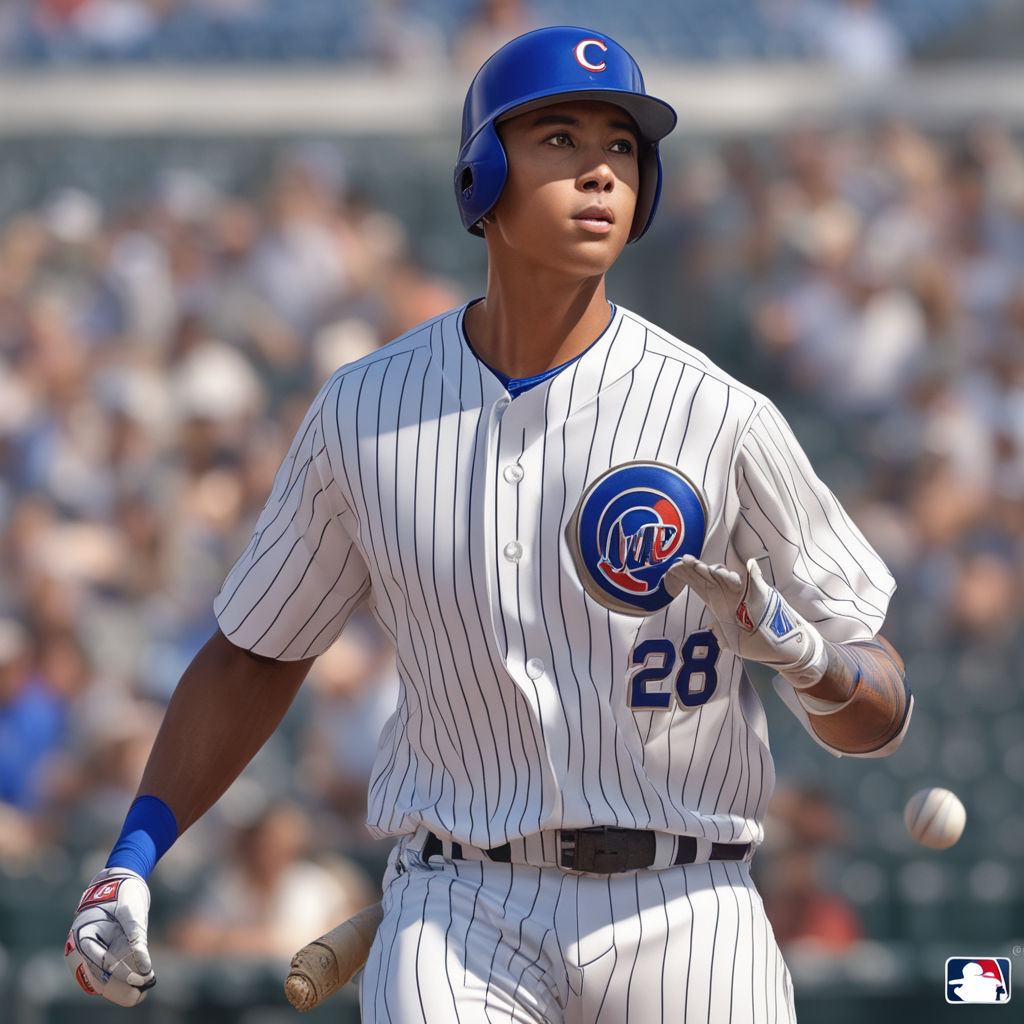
point(320, 968)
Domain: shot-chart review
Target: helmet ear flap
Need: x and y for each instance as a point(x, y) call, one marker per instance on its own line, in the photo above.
point(480, 176)
point(649, 191)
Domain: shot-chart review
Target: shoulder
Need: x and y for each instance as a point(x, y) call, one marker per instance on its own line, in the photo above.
point(661, 344)
point(419, 340)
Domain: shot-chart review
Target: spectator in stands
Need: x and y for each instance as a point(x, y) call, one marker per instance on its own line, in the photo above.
point(985, 245)
point(984, 592)
point(113, 27)
point(42, 674)
point(33, 717)
point(272, 897)
point(490, 25)
point(805, 913)
point(355, 690)
point(858, 39)
point(94, 778)
point(398, 38)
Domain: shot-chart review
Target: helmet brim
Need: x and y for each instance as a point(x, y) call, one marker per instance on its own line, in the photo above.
point(654, 118)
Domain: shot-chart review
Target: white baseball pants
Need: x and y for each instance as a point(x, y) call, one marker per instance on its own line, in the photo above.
point(473, 942)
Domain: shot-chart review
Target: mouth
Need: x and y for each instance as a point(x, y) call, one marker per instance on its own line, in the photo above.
point(598, 219)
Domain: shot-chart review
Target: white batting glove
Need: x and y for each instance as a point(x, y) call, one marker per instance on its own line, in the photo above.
point(753, 619)
point(107, 950)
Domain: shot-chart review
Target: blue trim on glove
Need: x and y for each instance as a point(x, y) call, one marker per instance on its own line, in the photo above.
point(149, 831)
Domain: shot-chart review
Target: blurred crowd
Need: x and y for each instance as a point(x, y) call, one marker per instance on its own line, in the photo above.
point(390, 33)
point(155, 359)
point(156, 355)
point(861, 38)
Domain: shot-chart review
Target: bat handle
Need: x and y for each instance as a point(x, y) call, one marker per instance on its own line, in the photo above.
point(319, 969)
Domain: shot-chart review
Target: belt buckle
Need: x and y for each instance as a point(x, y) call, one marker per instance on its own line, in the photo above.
point(602, 850)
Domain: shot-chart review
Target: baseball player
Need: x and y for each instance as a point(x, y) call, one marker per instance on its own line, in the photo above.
point(575, 528)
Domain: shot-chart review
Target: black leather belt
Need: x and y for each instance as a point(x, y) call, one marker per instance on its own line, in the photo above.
point(603, 850)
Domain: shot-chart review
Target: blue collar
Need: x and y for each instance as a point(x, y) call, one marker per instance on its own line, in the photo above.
point(515, 386)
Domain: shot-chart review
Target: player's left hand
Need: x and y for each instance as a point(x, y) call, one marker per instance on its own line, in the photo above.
point(106, 949)
point(753, 619)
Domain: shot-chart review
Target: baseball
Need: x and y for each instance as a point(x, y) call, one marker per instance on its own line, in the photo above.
point(935, 817)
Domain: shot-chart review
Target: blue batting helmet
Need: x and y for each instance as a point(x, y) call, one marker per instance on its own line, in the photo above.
point(536, 70)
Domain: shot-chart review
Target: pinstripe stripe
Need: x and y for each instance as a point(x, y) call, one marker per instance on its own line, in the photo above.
point(565, 588)
point(664, 966)
point(637, 947)
point(379, 995)
point(282, 516)
point(791, 460)
point(481, 711)
point(736, 948)
point(512, 947)
point(611, 977)
point(691, 919)
point(712, 941)
point(826, 544)
point(449, 951)
point(422, 983)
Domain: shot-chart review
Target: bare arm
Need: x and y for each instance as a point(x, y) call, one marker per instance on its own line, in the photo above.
point(224, 709)
point(866, 681)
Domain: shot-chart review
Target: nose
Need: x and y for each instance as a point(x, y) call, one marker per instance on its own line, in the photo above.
point(598, 176)
point(598, 183)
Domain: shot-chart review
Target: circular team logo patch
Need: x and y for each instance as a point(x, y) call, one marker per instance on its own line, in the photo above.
point(632, 523)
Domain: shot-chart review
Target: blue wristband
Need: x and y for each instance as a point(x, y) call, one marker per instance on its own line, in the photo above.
point(148, 833)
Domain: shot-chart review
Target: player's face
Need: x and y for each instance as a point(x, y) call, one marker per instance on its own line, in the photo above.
point(572, 183)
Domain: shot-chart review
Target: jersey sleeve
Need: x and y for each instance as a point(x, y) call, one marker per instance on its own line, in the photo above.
point(294, 587)
point(816, 556)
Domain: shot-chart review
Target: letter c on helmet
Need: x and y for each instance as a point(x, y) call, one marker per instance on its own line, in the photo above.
point(581, 54)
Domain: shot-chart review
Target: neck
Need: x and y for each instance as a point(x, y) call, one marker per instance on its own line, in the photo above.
point(524, 327)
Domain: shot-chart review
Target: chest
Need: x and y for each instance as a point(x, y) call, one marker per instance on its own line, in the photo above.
point(496, 488)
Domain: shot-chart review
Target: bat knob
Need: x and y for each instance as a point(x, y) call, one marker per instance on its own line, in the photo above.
point(301, 992)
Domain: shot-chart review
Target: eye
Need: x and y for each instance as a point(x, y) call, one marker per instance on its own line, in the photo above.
point(560, 139)
point(624, 146)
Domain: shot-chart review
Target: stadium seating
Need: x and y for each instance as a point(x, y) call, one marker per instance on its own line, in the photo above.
point(327, 31)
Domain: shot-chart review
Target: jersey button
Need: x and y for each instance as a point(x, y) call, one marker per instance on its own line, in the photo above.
point(513, 473)
point(513, 551)
point(535, 668)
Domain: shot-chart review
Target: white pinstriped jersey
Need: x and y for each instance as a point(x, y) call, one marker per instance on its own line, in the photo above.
point(526, 703)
